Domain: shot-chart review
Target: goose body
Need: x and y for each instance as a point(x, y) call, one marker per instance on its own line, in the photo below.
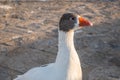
point(67, 65)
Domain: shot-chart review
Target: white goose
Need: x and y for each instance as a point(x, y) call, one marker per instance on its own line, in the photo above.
point(67, 65)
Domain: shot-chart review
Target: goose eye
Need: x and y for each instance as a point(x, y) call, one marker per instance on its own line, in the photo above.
point(72, 18)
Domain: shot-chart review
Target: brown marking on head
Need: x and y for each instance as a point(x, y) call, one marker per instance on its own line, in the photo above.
point(67, 22)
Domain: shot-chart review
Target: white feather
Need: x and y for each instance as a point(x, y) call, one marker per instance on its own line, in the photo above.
point(66, 67)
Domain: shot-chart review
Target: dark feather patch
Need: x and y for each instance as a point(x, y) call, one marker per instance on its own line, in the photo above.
point(67, 22)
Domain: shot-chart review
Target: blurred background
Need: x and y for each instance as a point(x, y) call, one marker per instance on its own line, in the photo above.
point(29, 36)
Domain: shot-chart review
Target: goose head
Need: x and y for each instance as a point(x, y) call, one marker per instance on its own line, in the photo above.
point(71, 21)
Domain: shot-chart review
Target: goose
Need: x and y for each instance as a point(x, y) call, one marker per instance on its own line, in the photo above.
point(67, 64)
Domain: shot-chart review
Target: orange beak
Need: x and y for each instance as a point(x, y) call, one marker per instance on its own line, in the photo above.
point(83, 22)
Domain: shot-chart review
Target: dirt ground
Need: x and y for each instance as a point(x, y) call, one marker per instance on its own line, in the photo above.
point(28, 36)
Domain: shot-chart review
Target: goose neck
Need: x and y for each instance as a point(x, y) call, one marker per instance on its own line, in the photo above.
point(65, 47)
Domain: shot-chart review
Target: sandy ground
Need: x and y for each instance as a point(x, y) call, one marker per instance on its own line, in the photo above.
point(28, 37)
